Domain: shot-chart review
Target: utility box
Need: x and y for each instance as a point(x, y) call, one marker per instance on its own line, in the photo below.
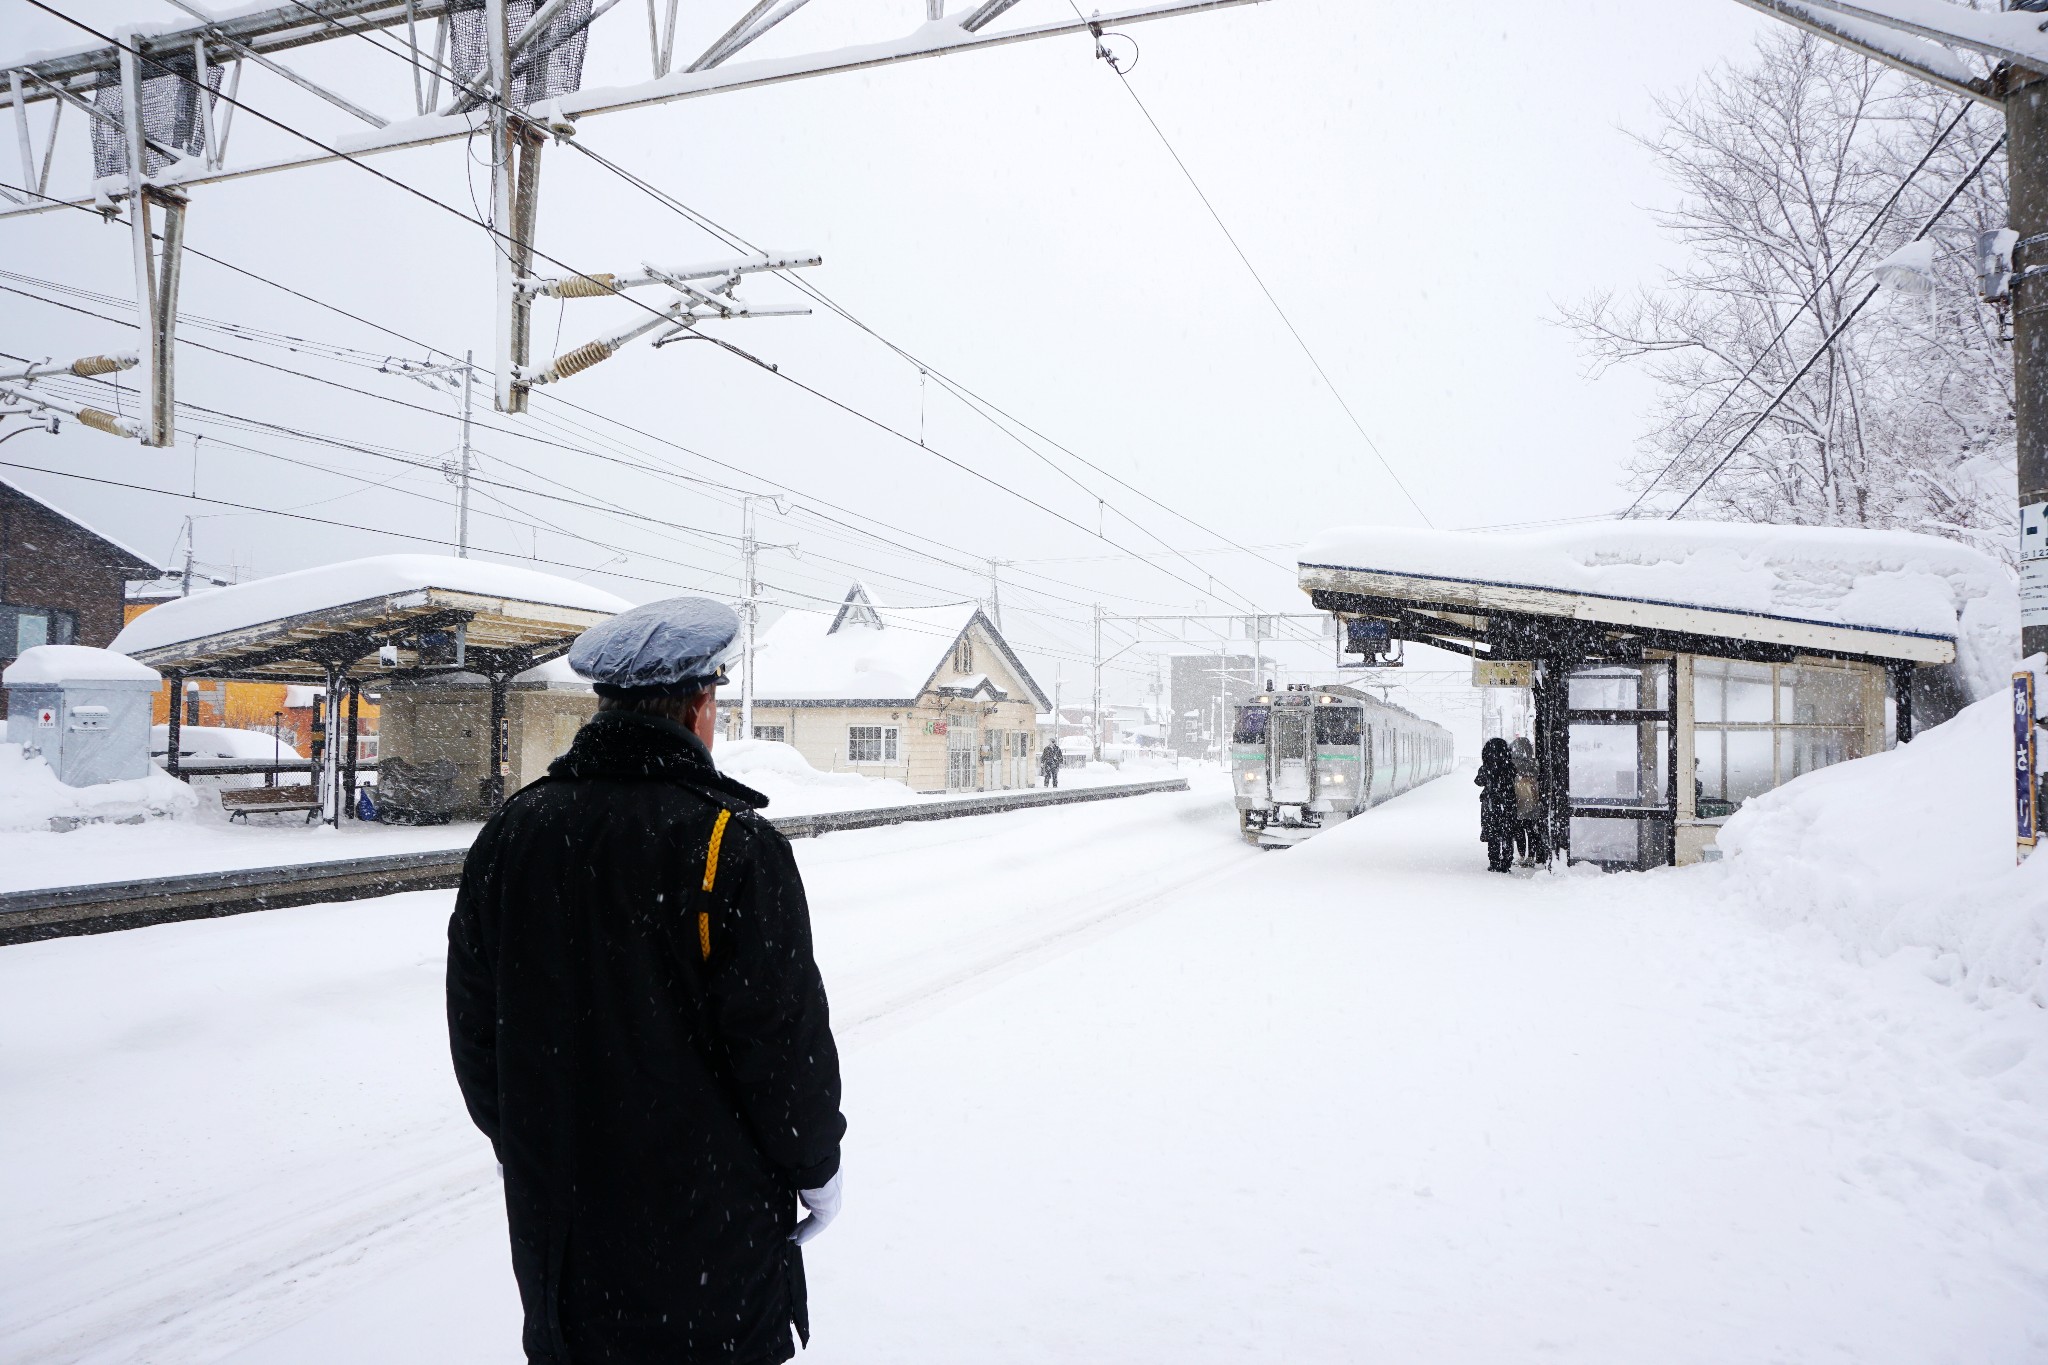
point(84, 711)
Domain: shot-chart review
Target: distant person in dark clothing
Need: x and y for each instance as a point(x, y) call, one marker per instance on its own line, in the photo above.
point(1530, 845)
point(1050, 760)
point(1496, 783)
point(639, 1028)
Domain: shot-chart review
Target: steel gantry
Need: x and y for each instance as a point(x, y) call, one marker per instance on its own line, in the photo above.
point(159, 104)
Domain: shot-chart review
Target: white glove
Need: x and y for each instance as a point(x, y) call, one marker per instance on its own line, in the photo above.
point(823, 1203)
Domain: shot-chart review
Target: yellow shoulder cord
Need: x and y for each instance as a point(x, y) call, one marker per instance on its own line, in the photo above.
point(710, 878)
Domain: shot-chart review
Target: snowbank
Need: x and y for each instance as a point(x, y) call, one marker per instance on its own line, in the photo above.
point(794, 787)
point(213, 741)
point(46, 665)
point(1885, 580)
point(1910, 849)
point(31, 797)
point(356, 580)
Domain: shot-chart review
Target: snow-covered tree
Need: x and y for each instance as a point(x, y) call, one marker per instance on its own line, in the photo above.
point(1781, 163)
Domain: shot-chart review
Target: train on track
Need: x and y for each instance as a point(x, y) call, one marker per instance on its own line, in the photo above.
point(1310, 756)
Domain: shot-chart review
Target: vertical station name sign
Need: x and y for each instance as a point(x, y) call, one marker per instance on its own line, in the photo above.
point(2026, 779)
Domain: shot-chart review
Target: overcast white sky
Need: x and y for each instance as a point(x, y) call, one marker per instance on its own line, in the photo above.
point(1417, 182)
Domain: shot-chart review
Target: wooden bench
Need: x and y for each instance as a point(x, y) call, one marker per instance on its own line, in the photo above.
point(240, 801)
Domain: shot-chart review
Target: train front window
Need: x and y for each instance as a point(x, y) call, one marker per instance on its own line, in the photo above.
point(1251, 725)
point(1339, 725)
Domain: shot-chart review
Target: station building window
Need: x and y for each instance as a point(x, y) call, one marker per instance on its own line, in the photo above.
point(778, 733)
point(23, 628)
point(870, 744)
point(1758, 726)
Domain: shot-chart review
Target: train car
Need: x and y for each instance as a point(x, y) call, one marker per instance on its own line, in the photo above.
point(1313, 756)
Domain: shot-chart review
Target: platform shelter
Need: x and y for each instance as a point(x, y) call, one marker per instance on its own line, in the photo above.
point(1680, 669)
point(355, 626)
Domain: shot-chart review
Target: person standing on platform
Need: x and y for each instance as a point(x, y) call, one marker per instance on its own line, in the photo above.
point(639, 1028)
point(1530, 845)
point(1050, 760)
point(1496, 783)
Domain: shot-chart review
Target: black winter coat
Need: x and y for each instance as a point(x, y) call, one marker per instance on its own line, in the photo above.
point(1496, 783)
point(657, 1092)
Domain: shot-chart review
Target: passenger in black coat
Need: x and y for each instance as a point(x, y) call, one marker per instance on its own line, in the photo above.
point(659, 1086)
point(1497, 818)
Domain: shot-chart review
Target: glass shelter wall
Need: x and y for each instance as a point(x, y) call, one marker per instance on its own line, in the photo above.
point(1758, 726)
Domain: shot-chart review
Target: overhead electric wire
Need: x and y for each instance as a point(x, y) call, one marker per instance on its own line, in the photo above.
point(1264, 288)
point(882, 542)
point(733, 239)
point(497, 233)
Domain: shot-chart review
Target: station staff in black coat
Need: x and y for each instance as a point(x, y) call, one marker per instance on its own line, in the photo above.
point(639, 1028)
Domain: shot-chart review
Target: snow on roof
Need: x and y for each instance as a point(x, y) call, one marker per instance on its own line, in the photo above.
point(44, 665)
point(264, 600)
point(555, 675)
point(54, 510)
point(1871, 580)
point(801, 658)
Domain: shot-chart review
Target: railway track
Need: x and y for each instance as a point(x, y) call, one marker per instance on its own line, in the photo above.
point(104, 907)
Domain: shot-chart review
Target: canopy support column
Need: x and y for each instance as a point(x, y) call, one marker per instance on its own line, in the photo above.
point(330, 753)
point(1902, 697)
point(175, 710)
point(495, 784)
point(1553, 753)
point(355, 692)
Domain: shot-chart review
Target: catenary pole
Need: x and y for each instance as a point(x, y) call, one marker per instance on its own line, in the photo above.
point(2026, 127)
point(750, 608)
point(1095, 703)
point(462, 488)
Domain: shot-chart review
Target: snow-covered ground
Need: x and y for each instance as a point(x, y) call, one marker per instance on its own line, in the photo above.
point(1121, 1088)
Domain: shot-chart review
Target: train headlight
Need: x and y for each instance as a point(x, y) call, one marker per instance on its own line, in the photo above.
point(1251, 779)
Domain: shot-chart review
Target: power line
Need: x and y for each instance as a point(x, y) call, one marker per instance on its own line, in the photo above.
point(496, 233)
point(1260, 280)
point(496, 97)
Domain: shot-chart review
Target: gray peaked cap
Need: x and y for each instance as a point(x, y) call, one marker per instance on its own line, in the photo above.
point(668, 648)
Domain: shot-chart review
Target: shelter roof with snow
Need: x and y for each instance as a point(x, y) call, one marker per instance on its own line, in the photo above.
point(430, 610)
point(1749, 590)
point(868, 655)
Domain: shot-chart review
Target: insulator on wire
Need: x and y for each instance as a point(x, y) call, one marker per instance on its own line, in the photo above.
point(580, 359)
point(102, 364)
point(585, 287)
point(107, 422)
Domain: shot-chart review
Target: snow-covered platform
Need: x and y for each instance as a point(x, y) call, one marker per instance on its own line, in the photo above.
point(1187, 1102)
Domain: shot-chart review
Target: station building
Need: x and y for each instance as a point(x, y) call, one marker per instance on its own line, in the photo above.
point(1676, 670)
point(932, 697)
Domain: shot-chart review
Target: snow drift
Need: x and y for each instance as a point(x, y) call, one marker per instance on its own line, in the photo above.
point(31, 797)
point(1906, 850)
point(793, 786)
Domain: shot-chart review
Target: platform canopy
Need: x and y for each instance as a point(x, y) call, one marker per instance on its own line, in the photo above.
point(1605, 588)
point(431, 611)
